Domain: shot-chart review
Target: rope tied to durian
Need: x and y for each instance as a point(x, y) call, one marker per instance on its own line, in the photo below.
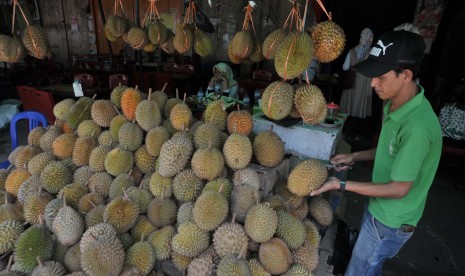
point(34, 44)
point(305, 16)
point(149, 13)
point(324, 10)
point(271, 95)
point(289, 54)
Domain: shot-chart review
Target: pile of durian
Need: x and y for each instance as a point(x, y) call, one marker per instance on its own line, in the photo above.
point(118, 186)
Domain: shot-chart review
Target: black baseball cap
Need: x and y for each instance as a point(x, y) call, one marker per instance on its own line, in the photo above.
point(393, 49)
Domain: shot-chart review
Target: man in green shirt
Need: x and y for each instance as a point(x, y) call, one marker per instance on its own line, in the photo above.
point(406, 157)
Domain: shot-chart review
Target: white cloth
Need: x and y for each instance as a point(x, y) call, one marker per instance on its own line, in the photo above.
point(452, 120)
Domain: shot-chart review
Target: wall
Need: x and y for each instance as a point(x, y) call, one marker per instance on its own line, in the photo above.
point(51, 13)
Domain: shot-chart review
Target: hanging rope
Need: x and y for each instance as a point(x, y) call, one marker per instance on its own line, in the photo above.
point(324, 10)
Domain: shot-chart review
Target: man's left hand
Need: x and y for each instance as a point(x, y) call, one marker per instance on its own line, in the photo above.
point(331, 184)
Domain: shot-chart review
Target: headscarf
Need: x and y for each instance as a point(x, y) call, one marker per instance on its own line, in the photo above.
point(227, 71)
point(366, 37)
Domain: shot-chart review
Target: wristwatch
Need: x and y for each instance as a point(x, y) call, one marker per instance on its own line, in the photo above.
point(342, 186)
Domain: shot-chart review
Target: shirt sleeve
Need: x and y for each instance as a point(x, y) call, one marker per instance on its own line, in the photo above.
point(412, 147)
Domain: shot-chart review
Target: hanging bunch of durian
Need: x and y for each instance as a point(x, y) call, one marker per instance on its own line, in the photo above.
point(33, 41)
point(157, 32)
point(295, 50)
point(116, 26)
point(245, 46)
point(188, 36)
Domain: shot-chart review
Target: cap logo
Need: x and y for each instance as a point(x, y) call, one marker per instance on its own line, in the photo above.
point(381, 44)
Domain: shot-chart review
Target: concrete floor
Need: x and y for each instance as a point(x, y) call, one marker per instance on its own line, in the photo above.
point(438, 245)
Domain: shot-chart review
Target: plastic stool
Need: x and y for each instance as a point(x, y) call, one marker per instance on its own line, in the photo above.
point(35, 118)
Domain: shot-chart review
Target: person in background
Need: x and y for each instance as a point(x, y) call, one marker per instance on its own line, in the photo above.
point(356, 99)
point(405, 159)
point(223, 80)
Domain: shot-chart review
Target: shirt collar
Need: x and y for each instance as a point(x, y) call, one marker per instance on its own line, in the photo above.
point(400, 113)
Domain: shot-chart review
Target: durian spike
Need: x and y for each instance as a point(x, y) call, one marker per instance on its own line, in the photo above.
point(177, 93)
point(150, 94)
point(125, 195)
point(164, 86)
point(39, 261)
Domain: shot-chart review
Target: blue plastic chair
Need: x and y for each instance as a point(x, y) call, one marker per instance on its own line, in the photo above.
point(35, 118)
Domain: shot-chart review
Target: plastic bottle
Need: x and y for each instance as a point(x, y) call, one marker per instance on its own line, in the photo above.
point(246, 101)
point(256, 97)
point(200, 96)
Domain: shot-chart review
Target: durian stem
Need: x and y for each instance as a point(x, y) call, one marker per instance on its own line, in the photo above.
point(135, 88)
point(184, 99)
point(233, 218)
point(164, 86)
point(10, 263)
point(177, 93)
point(6, 199)
point(92, 203)
point(243, 252)
point(150, 93)
point(238, 107)
point(39, 261)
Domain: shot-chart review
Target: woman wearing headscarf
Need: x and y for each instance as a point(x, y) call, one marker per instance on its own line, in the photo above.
point(223, 79)
point(356, 101)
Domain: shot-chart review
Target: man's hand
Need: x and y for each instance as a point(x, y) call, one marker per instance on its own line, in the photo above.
point(342, 162)
point(331, 184)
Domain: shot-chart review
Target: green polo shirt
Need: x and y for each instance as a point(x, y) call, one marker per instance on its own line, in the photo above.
point(409, 149)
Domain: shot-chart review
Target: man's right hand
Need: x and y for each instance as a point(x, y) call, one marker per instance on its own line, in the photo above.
point(342, 162)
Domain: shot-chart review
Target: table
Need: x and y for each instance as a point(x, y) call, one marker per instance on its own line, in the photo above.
point(66, 90)
point(304, 140)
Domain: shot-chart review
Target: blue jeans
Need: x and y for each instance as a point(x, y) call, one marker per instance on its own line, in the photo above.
point(376, 242)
